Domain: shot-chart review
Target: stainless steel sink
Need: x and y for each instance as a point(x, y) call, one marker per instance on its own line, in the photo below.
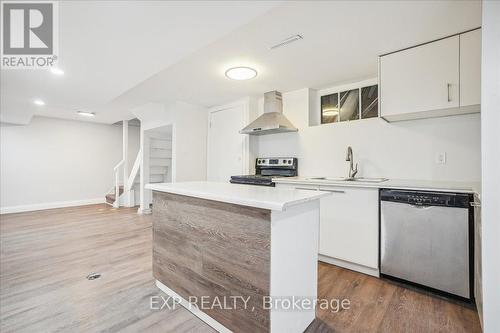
point(346, 179)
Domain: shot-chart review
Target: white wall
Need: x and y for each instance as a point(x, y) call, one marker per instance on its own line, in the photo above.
point(402, 150)
point(189, 138)
point(189, 141)
point(53, 162)
point(490, 198)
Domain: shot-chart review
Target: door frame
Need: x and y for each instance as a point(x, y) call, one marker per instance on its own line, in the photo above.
point(248, 110)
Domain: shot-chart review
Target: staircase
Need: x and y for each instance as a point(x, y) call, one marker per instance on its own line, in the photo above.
point(123, 192)
point(111, 197)
point(160, 157)
point(154, 159)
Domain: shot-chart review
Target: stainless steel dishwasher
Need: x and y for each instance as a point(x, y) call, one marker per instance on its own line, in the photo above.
point(426, 239)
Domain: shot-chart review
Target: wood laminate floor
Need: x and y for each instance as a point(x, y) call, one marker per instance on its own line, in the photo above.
point(46, 256)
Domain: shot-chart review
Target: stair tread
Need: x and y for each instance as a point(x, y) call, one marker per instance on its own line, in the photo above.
point(111, 197)
point(160, 138)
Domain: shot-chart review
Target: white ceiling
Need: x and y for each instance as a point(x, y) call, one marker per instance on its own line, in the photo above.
point(342, 40)
point(107, 47)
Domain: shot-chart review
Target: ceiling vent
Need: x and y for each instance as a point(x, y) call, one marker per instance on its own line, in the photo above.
point(287, 41)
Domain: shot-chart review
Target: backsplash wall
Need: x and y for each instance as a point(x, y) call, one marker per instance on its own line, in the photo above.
point(401, 150)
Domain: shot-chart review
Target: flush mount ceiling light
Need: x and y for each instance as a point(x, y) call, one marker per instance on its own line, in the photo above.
point(86, 114)
point(241, 73)
point(56, 71)
point(39, 102)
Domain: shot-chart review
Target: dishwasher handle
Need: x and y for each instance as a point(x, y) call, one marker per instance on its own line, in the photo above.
point(420, 206)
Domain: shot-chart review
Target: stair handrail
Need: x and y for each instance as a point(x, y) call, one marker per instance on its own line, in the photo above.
point(135, 170)
point(118, 165)
point(116, 169)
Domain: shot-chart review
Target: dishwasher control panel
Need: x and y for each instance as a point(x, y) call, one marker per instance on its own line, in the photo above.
point(421, 198)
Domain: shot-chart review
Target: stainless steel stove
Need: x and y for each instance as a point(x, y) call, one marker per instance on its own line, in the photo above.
point(268, 168)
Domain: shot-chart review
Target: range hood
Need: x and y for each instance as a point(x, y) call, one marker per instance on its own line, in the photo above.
point(273, 120)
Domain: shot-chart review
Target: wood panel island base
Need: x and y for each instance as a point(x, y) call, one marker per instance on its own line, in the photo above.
point(242, 258)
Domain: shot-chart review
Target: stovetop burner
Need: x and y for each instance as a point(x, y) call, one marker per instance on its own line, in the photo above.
point(267, 169)
point(253, 180)
point(254, 177)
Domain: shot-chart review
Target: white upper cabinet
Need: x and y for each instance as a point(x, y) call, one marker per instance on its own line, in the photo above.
point(470, 68)
point(420, 79)
point(435, 79)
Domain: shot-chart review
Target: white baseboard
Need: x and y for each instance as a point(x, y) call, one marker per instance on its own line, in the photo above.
point(349, 265)
point(50, 205)
point(145, 211)
point(193, 309)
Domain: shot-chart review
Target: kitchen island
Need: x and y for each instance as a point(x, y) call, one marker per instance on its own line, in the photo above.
point(242, 258)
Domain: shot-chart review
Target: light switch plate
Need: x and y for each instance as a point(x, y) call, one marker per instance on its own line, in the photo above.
point(441, 158)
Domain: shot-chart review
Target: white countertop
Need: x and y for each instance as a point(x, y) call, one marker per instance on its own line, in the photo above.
point(246, 195)
point(403, 184)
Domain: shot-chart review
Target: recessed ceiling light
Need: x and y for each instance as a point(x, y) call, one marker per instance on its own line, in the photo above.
point(241, 73)
point(56, 71)
point(86, 114)
point(39, 102)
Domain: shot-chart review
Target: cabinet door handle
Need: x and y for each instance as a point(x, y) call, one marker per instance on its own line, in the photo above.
point(475, 204)
point(320, 189)
point(333, 191)
point(307, 189)
point(449, 95)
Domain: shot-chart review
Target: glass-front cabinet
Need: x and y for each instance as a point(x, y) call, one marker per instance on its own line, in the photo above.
point(369, 102)
point(354, 104)
point(349, 105)
point(330, 108)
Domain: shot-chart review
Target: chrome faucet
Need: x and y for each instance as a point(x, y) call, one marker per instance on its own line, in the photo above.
point(349, 157)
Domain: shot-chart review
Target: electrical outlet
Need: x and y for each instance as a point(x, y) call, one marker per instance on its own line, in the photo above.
point(441, 158)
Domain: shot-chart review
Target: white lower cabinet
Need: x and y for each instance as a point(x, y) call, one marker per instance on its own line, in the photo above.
point(349, 227)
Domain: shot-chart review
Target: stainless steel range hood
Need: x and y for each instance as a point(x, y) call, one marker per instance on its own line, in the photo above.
point(273, 120)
